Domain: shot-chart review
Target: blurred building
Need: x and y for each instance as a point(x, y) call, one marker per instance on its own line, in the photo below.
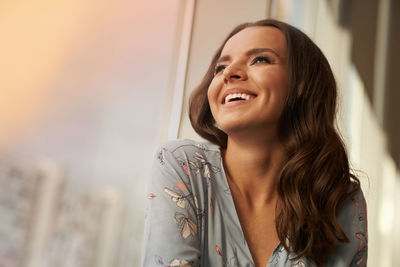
point(48, 221)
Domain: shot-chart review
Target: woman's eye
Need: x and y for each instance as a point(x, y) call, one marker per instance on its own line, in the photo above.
point(219, 69)
point(261, 60)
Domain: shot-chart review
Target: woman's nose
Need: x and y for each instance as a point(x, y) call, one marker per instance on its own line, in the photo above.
point(234, 72)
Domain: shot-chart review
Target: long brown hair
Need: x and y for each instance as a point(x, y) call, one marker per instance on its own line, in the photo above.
point(315, 180)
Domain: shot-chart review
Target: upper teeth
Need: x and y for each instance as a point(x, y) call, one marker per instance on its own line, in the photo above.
point(238, 95)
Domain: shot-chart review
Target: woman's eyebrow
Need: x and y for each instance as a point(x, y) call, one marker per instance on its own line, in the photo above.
point(256, 51)
point(251, 52)
point(221, 59)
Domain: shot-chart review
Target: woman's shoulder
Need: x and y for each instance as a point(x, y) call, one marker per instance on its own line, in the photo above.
point(355, 209)
point(188, 154)
point(353, 219)
point(188, 146)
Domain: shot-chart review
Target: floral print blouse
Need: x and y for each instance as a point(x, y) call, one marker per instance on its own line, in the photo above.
point(191, 218)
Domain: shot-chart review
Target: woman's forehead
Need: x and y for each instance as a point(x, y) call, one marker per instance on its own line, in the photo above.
point(256, 37)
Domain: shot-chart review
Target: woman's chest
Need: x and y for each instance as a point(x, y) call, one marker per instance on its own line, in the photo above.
point(260, 233)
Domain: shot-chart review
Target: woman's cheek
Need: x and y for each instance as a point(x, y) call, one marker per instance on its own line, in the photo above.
point(212, 94)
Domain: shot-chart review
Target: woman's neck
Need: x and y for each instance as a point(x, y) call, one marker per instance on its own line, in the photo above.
point(253, 168)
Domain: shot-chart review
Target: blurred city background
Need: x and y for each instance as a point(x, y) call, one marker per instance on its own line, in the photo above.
point(89, 89)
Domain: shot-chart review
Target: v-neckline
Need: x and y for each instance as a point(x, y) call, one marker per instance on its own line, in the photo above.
point(236, 216)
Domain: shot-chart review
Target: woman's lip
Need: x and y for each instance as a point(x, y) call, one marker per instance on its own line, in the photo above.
point(237, 102)
point(236, 91)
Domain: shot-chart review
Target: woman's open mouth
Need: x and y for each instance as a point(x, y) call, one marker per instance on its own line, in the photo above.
point(237, 97)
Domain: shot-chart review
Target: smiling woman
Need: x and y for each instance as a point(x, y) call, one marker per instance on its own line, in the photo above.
point(253, 63)
point(272, 187)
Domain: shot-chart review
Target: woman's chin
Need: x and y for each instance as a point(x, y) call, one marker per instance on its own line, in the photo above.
point(233, 129)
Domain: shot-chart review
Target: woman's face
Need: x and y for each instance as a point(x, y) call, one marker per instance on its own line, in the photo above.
point(250, 85)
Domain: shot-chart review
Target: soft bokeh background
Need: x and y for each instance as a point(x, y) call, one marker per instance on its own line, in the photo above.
point(89, 89)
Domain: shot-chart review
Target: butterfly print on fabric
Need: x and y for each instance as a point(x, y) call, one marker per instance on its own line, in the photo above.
point(276, 255)
point(363, 240)
point(232, 262)
point(212, 206)
point(360, 259)
point(199, 212)
point(151, 196)
point(201, 146)
point(218, 250)
point(173, 263)
point(181, 186)
point(363, 213)
point(200, 165)
point(299, 263)
point(160, 156)
point(184, 167)
point(185, 225)
point(179, 199)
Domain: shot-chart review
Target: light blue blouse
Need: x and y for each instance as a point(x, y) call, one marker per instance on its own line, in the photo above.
point(191, 218)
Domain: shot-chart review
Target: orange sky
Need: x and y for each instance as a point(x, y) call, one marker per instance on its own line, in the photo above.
point(38, 38)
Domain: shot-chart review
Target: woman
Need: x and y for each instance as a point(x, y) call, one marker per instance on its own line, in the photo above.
point(273, 188)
